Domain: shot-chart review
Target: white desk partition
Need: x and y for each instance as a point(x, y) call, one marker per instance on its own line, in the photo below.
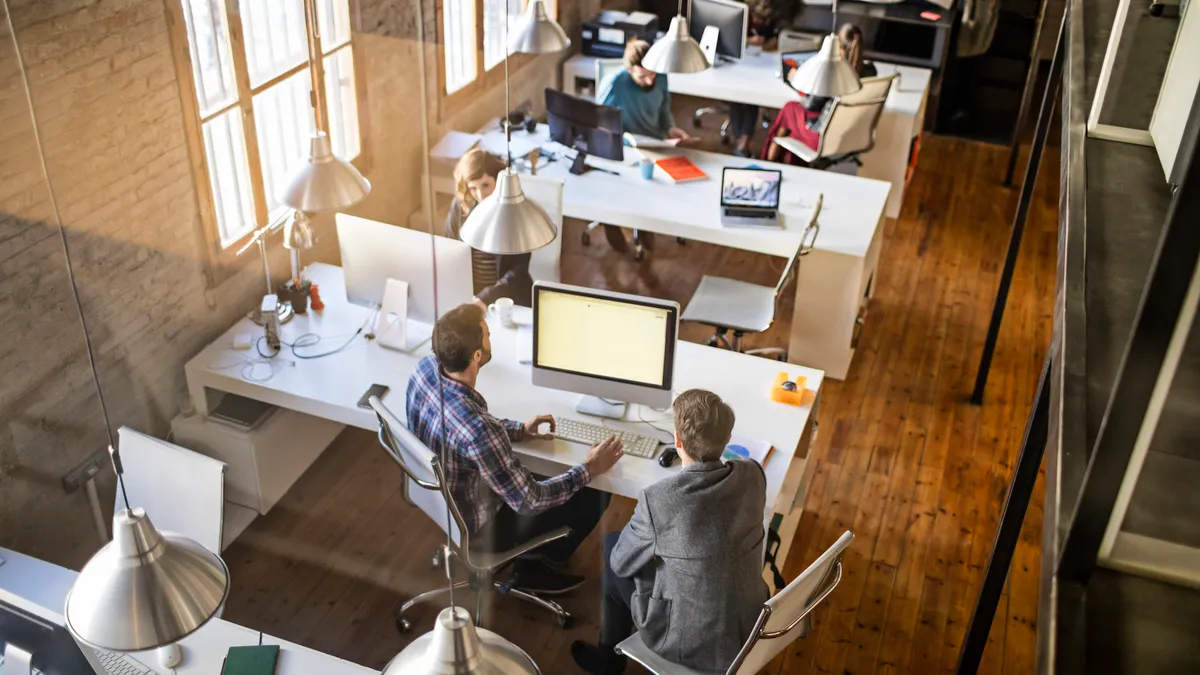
point(182, 491)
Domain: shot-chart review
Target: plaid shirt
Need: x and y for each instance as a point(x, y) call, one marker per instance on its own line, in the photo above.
point(481, 468)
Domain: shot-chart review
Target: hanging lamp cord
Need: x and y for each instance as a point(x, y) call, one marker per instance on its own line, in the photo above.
point(62, 236)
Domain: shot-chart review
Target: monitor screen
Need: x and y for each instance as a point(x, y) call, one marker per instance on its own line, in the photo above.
point(729, 17)
point(603, 335)
point(750, 187)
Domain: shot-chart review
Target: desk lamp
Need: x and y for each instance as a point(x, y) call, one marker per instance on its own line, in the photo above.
point(455, 646)
point(537, 33)
point(827, 73)
point(676, 51)
point(506, 222)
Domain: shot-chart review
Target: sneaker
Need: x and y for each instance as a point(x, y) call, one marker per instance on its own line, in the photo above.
point(596, 660)
point(537, 577)
point(741, 152)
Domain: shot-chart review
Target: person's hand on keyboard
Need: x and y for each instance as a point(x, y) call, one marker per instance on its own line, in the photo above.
point(531, 428)
point(604, 455)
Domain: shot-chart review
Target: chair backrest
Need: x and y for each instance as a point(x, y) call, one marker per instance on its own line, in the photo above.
point(783, 617)
point(851, 125)
point(424, 486)
point(548, 193)
point(182, 491)
point(604, 68)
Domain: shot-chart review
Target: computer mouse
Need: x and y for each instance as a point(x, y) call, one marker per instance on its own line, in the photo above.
point(668, 457)
point(170, 656)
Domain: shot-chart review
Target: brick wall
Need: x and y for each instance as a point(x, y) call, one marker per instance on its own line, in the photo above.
point(105, 95)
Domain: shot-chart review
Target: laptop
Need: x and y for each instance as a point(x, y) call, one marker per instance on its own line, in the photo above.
point(750, 197)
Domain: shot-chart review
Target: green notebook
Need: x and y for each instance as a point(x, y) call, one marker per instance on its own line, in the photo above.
point(251, 660)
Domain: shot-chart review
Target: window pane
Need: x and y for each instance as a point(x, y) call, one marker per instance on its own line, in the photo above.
point(333, 18)
point(229, 173)
point(283, 121)
point(212, 62)
point(276, 39)
point(493, 29)
point(458, 21)
point(342, 103)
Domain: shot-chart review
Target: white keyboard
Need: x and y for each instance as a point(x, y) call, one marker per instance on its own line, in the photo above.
point(578, 431)
point(122, 664)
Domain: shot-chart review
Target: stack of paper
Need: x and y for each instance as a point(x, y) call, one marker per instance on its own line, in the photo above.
point(740, 447)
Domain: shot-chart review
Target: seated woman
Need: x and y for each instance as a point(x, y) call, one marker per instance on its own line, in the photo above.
point(496, 276)
point(798, 118)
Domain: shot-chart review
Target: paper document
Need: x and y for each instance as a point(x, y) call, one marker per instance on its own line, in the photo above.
point(740, 447)
point(454, 145)
point(636, 141)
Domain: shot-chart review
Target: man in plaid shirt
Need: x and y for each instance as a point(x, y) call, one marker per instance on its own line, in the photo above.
point(502, 503)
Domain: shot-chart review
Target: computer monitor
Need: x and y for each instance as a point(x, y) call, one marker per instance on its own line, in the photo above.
point(729, 17)
point(53, 649)
point(373, 252)
point(587, 126)
point(755, 188)
point(608, 346)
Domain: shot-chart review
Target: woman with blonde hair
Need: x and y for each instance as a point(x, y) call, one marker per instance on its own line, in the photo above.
point(496, 276)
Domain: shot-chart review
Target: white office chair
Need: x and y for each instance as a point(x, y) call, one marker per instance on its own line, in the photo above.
point(784, 618)
point(548, 193)
point(849, 127)
point(743, 307)
point(425, 488)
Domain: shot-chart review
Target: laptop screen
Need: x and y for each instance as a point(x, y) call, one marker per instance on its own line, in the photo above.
point(756, 188)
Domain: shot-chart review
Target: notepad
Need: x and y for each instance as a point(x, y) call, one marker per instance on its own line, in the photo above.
point(681, 170)
point(258, 660)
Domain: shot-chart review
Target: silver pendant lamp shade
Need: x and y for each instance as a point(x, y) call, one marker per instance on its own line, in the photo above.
point(676, 51)
point(537, 33)
point(507, 222)
point(457, 647)
point(827, 73)
point(324, 182)
point(145, 588)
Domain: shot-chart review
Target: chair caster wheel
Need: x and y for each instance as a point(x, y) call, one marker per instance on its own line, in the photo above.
point(639, 255)
point(566, 622)
point(403, 625)
point(680, 240)
point(436, 561)
point(586, 239)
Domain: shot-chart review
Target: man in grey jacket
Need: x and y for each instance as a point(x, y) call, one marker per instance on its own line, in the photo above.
point(687, 569)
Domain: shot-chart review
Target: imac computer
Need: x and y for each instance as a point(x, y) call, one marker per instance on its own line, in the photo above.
point(31, 643)
point(373, 252)
point(730, 18)
point(589, 127)
point(612, 347)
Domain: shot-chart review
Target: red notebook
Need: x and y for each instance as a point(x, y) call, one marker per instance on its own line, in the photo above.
point(681, 169)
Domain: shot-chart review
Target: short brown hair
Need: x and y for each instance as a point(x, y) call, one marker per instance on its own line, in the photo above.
point(703, 423)
point(457, 336)
point(635, 51)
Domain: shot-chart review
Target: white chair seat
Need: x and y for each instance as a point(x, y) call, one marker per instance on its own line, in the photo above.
point(804, 152)
point(732, 304)
point(634, 648)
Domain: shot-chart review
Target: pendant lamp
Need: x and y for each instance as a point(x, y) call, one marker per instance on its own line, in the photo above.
point(506, 222)
point(676, 51)
point(456, 646)
point(537, 33)
point(826, 73)
point(324, 182)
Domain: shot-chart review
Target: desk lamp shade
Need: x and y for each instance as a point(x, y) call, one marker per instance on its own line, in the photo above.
point(145, 588)
point(537, 33)
point(507, 222)
point(456, 647)
point(324, 182)
point(676, 51)
point(827, 73)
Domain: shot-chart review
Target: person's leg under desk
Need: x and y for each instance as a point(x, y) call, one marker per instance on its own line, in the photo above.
point(581, 513)
point(616, 617)
point(616, 238)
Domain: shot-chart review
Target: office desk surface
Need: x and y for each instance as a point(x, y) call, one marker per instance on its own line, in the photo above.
point(756, 80)
point(852, 207)
point(41, 588)
point(330, 387)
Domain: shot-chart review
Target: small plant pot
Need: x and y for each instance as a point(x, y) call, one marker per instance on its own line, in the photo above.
point(296, 295)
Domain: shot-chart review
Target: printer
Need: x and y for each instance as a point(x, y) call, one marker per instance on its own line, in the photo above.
point(605, 36)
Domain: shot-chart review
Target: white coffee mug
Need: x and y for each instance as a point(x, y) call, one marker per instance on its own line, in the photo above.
point(503, 309)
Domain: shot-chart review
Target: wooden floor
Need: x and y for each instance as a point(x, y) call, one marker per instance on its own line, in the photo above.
point(902, 459)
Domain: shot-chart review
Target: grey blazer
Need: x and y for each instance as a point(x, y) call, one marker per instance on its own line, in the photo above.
point(694, 548)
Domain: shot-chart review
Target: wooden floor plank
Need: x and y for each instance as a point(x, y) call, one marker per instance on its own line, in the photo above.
point(900, 458)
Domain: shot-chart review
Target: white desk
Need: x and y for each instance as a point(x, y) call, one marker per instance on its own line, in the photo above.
point(330, 387)
point(755, 80)
point(41, 588)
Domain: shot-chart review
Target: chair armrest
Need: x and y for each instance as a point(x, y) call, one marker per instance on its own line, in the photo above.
point(493, 560)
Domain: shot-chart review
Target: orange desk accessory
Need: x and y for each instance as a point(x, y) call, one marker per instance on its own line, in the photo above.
point(793, 397)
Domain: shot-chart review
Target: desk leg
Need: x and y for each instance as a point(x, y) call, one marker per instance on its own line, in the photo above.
point(888, 159)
